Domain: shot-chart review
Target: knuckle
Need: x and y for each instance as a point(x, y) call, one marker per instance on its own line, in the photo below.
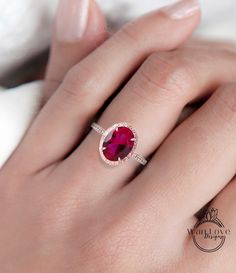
point(226, 97)
point(170, 74)
point(131, 40)
point(128, 35)
point(79, 85)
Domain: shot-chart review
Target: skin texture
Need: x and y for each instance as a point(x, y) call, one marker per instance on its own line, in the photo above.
point(63, 210)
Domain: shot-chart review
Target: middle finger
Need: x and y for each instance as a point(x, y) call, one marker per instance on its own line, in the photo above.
point(196, 161)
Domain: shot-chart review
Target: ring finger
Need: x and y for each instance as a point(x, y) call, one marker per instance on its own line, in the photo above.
point(152, 102)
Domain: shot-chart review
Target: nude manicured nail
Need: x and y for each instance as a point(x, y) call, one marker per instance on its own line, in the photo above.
point(182, 9)
point(72, 19)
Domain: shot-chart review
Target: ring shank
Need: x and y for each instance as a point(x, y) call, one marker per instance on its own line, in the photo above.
point(140, 159)
point(98, 128)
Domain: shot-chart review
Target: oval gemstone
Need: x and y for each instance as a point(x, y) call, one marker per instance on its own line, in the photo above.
point(118, 144)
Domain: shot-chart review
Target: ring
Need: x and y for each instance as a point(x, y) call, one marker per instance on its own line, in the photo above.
point(118, 144)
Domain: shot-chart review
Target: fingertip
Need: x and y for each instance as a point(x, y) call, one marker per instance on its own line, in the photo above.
point(97, 25)
point(183, 13)
point(96, 32)
point(182, 9)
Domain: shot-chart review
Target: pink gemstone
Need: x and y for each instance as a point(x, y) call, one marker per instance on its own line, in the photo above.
point(118, 144)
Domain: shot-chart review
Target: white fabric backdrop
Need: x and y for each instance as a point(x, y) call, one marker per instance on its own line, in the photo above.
point(21, 21)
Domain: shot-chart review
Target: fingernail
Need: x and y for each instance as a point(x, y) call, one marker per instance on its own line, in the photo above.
point(182, 9)
point(72, 19)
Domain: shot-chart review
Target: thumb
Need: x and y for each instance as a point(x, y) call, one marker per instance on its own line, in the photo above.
point(80, 27)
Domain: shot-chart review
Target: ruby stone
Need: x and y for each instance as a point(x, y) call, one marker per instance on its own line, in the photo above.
point(118, 144)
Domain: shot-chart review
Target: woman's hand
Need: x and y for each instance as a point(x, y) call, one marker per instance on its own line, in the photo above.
point(64, 210)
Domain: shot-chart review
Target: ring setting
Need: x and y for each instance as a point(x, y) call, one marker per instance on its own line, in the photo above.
point(118, 144)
